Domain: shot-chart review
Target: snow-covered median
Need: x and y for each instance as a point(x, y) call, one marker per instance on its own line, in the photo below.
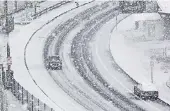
point(129, 58)
point(129, 61)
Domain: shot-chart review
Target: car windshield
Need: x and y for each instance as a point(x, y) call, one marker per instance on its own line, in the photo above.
point(150, 92)
point(54, 58)
point(53, 62)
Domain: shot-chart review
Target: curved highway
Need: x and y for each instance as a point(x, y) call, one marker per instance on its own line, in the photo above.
point(61, 31)
point(90, 89)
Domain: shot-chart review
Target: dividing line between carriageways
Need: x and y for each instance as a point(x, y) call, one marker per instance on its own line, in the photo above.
point(25, 62)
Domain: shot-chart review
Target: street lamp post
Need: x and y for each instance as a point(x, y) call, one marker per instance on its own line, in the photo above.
point(165, 52)
point(151, 65)
point(116, 22)
point(117, 17)
point(16, 5)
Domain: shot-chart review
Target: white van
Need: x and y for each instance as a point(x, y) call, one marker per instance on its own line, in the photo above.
point(146, 91)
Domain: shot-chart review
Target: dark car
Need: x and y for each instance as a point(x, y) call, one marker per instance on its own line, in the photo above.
point(146, 91)
point(54, 63)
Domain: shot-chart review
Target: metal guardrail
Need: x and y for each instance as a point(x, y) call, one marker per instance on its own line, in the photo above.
point(50, 9)
point(46, 10)
point(3, 100)
point(3, 96)
point(21, 94)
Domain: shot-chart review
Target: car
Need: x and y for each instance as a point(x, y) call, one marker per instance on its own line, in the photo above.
point(146, 91)
point(54, 63)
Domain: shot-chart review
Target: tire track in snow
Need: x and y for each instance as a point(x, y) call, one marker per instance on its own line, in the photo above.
point(66, 28)
point(78, 62)
point(25, 61)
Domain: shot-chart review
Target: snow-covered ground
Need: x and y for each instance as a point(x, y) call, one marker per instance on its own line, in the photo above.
point(46, 4)
point(134, 60)
point(11, 6)
point(25, 16)
point(13, 103)
point(37, 69)
point(35, 63)
point(22, 34)
point(75, 80)
point(39, 83)
point(21, 74)
point(110, 72)
point(164, 5)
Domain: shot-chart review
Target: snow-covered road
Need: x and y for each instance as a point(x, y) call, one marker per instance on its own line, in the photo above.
point(85, 67)
point(67, 85)
point(65, 81)
point(89, 79)
point(119, 48)
point(17, 52)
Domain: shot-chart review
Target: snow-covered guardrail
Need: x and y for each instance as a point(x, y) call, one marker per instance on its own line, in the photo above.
point(3, 99)
point(44, 11)
point(50, 8)
point(28, 100)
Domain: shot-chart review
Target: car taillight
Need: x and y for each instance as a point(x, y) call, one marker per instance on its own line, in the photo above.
point(155, 93)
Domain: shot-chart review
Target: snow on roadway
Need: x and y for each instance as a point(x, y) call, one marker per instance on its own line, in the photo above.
point(13, 103)
point(37, 69)
point(133, 60)
point(46, 4)
point(102, 60)
point(75, 78)
point(17, 44)
point(37, 64)
point(164, 5)
point(51, 91)
point(123, 50)
point(25, 16)
point(71, 73)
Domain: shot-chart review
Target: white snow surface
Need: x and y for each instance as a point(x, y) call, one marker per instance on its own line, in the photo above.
point(125, 56)
point(119, 45)
point(17, 44)
point(134, 61)
point(25, 16)
point(148, 87)
point(35, 64)
point(46, 4)
point(13, 103)
point(100, 51)
point(164, 5)
point(21, 74)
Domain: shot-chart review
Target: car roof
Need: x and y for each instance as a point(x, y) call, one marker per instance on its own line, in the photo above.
point(147, 87)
